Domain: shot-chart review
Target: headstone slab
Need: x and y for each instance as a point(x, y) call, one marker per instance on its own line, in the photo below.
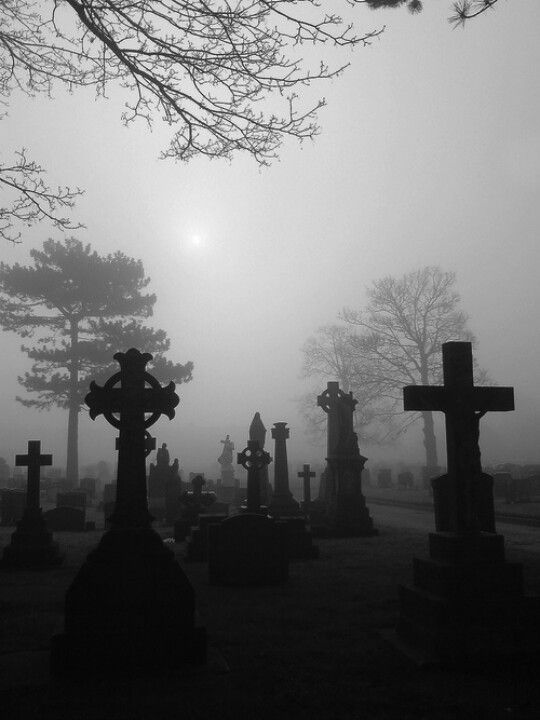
point(66, 519)
point(13, 503)
point(247, 549)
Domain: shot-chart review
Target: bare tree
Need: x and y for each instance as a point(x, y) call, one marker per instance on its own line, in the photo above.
point(331, 354)
point(399, 337)
point(225, 76)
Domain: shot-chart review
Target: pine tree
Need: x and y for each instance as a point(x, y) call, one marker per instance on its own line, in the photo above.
point(79, 308)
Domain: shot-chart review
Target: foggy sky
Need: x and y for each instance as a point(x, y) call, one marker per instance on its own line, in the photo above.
point(429, 154)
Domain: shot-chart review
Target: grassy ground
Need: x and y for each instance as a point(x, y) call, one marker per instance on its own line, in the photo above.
point(310, 649)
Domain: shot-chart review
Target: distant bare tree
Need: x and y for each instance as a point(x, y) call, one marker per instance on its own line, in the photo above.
point(331, 354)
point(205, 69)
point(399, 337)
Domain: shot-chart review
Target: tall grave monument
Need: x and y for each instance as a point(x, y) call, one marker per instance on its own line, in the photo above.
point(467, 601)
point(344, 506)
point(31, 544)
point(130, 609)
point(257, 432)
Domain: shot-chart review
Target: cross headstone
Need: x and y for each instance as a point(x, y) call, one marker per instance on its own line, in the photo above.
point(334, 401)
point(132, 408)
point(34, 461)
point(463, 405)
point(254, 460)
point(306, 475)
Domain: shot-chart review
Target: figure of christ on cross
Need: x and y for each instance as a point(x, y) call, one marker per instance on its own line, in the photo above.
point(463, 405)
point(132, 402)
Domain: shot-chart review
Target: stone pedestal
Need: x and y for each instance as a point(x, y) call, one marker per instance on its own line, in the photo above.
point(299, 539)
point(467, 602)
point(247, 549)
point(348, 516)
point(129, 611)
point(32, 544)
point(197, 546)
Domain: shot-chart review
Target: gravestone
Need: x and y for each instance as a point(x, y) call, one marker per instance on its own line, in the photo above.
point(32, 544)
point(249, 548)
point(13, 503)
point(405, 480)
point(193, 503)
point(71, 499)
point(282, 504)
point(164, 487)
point(384, 478)
point(306, 474)
point(467, 601)
point(197, 545)
point(130, 609)
point(257, 432)
point(66, 519)
point(503, 487)
point(344, 512)
point(88, 486)
point(227, 485)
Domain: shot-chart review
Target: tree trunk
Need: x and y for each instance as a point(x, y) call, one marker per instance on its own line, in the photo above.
point(72, 467)
point(430, 441)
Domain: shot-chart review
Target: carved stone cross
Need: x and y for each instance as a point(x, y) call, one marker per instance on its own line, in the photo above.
point(339, 406)
point(132, 407)
point(463, 405)
point(253, 459)
point(306, 475)
point(34, 461)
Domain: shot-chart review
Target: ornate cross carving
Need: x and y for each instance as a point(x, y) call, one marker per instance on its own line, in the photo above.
point(132, 407)
point(253, 459)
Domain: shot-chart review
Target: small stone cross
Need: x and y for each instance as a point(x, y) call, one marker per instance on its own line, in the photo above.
point(307, 474)
point(132, 408)
point(34, 461)
point(253, 459)
point(463, 405)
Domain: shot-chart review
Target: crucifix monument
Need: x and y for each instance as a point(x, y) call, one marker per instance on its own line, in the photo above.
point(130, 596)
point(463, 405)
point(306, 475)
point(31, 543)
point(467, 601)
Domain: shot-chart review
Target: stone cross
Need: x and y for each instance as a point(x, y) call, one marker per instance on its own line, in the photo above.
point(338, 405)
point(132, 408)
point(34, 461)
point(253, 459)
point(306, 475)
point(463, 405)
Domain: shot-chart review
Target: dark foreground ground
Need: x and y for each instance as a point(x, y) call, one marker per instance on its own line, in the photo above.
point(310, 649)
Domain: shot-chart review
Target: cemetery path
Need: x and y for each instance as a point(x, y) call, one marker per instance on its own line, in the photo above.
point(516, 536)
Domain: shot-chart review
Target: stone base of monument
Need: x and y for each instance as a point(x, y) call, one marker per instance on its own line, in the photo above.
point(130, 611)
point(197, 545)
point(283, 506)
point(346, 516)
point(299, 538)
point(247, 549)
point(31, 545)
point(467, 603)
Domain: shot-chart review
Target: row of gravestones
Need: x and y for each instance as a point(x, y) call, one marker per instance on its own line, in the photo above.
point(466, 599)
